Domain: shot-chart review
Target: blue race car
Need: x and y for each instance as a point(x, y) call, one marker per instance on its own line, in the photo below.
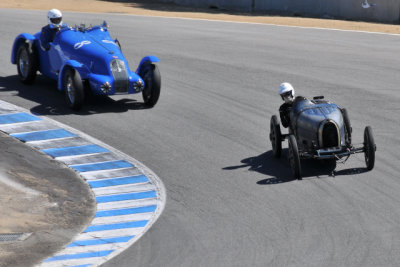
point(85, 57)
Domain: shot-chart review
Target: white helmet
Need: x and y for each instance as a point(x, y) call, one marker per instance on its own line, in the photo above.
point(286, 91)
point(54, 17)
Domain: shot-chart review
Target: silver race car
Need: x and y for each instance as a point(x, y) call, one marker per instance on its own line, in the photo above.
point(319, 129)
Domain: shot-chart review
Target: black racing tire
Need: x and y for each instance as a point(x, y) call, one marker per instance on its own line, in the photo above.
point(275, 136)
point(369, 148)
point(27, 64)
point(152, 79)
point(347, 125)
point(294, 157)
point(73, 89)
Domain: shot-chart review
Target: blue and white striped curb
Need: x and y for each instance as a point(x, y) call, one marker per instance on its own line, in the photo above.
point(129, 196)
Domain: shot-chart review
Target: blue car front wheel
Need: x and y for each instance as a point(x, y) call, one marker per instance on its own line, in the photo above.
point(73, 88)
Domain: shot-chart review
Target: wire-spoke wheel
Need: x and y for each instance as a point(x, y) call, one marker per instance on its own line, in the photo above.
point(369, 148)
point(294, 157)
point(275, 136)
point(27, 64)
point(73, 88)
point(347, 125)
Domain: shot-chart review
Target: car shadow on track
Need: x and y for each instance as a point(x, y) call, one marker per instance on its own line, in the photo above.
point(52, 102)
point(279, 168)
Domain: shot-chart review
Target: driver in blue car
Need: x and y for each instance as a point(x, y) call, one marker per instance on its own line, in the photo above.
point(49, 31)
point(286, 91)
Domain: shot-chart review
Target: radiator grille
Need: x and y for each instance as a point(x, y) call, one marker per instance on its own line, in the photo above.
point(330, 135)
point(120, 74)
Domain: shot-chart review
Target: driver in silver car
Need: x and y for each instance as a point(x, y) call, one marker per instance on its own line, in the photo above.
point(286, 91)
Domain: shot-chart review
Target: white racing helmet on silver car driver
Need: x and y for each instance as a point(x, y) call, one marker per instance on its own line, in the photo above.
point(286, 91)
point(54, 17)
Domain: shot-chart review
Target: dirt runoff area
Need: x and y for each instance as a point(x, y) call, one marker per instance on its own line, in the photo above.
point(156, 8)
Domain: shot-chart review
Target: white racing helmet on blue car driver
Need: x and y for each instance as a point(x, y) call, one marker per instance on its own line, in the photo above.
point(286, 91)
point(54, 17)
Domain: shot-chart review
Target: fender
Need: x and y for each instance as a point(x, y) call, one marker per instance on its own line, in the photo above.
point(71, 64)
point(145, 60)
point(23, 37)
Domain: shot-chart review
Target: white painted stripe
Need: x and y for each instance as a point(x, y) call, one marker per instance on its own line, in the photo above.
point(126, 204)
point(88, 154)
point(77, 160)
point(14, 124)
point(110, 233)
point(31, 126)
point(123, 218)
point(98, 238)
point(110, 173)
point(94, 248)
point(85, 159)
point(30, 131)
point(270, 24)
point(58, 143)
point(95, 172)
point(120, 189)
point(4, 110)
point(67, 263)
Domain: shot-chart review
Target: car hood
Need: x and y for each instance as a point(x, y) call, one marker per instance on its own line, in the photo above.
point(93, 42)
point(94, 48)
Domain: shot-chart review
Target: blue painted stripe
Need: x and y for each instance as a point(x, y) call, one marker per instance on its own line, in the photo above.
point(102, 166)
point(101, 241)
point(17, 117)
point(115, 226)
point(119, 181)
point(74, 150)
point(130, 196)
point(43, 135)
point(119, 212)
point(80, 255)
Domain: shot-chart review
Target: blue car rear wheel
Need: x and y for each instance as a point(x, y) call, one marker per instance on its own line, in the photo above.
point(27, 64)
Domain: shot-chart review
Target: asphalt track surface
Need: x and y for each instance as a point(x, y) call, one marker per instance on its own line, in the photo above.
point(229, 202)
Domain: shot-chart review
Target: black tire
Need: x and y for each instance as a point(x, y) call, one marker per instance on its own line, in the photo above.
point(369, 148)
point(275, 136)
point(347, 125)
point(27, 64)
point(294, 157)
point(152, 79)
point(73, 88)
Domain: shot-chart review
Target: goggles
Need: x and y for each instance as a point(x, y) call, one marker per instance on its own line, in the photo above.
point(286, 95)
point(56, 20)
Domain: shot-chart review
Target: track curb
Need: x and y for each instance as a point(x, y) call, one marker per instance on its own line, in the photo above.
point(129, 196)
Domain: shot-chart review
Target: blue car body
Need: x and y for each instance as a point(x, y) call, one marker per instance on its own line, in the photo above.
point(92, 53)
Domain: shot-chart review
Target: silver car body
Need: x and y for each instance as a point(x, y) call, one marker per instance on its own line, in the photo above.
point(318, 126)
